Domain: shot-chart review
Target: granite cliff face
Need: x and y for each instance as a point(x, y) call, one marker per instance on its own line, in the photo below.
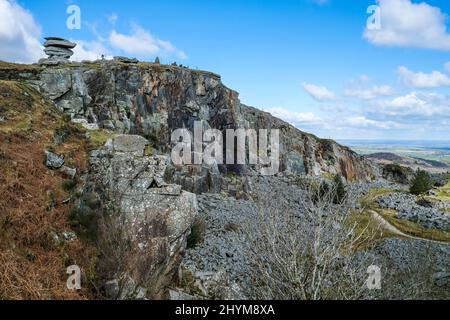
point(131, 189)
point(152, 100)
point(108, 148)
point(140, 209)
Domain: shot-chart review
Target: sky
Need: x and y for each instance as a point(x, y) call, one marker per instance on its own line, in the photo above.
point(329, 67)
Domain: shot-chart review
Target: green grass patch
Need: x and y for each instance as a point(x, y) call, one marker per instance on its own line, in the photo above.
point(21, 126)
point(442, 194)
point(367, 229)
point(328, 176)
point(100, 137)
point(16, 66)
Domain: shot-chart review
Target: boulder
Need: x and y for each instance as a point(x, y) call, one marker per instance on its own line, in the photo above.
point(59, 43)
point(126, 60)
point(54, 161)
point(128, 144)
point(68, 172)
point(58, 51)
point(157, 215)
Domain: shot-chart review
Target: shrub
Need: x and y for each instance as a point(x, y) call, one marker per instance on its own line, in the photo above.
point(197, 233)
point(421, 183)
point(397, 173)
point(334, 191)
point(339, 190)
point(69, 185)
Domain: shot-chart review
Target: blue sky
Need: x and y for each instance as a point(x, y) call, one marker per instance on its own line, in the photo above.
point(313, 63)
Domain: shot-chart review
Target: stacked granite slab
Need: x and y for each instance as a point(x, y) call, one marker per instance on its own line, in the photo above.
point(59, 51)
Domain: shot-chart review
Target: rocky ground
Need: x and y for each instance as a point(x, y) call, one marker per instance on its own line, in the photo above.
point(104, 130)
point(225, 217)
point(219, 258)
point(418, 211)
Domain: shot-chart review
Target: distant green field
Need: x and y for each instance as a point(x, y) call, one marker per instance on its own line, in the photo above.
point(423, 153)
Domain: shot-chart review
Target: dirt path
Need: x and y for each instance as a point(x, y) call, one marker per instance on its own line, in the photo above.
point(389, 227)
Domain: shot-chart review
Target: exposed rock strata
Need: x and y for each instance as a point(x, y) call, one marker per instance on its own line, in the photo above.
point(155, 216)
point(153, 100)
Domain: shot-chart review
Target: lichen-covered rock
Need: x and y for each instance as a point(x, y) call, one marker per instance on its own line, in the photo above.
point(158, 216)
point(54, 161)
point(153, 100)
point(58, 50)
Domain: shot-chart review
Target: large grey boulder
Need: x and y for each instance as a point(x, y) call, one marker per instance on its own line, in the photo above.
point(54, 161)
point(132, 144)
point(157, 216)
point(53, 42)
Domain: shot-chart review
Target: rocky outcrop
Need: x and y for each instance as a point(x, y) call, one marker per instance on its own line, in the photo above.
point(154, 217)
point(153, 100)
point(58, 51)
point(303, 153)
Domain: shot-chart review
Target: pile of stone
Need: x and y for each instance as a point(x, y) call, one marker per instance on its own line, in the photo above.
point(409, 209)
point(59, 51)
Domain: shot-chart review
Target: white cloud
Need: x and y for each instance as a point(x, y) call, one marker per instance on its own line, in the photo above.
point(90, 50)
point(20, 39)
point(369, 93)
point(143, 44)
point(295, 118)
point(416, 104)
point(363, 122)
point(360, 89)
point(19, 34)
point(309, 120)
point(422, 80)
point(320, 93)
point(407, 24)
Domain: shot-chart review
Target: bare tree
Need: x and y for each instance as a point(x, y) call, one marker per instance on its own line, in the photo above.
point(307, 254)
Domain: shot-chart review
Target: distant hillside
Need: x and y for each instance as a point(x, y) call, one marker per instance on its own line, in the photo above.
point(413, 163)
